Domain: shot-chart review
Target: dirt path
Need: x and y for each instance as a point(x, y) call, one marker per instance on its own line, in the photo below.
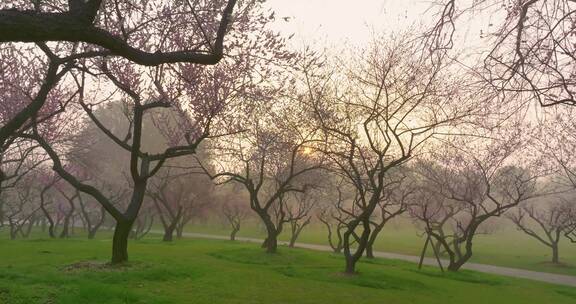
point(505, 271)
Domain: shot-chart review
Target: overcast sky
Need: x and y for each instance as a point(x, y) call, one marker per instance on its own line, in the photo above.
point(336, 21)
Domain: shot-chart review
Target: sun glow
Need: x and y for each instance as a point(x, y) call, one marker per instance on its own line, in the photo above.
point(306, 150)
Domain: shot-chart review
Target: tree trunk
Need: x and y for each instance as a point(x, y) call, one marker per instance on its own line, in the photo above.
point(26, 233)
point(179, 231)
point(337, 249)
point(51, 225)
point(293, 240)
point(457, 263)
point(233, 233)
point(271, 240)
point(352, 258)
point(65, 232)
point(13, 231)
point(350, 265)
point(555, 254)
point(271, 243)
point(73, 225)
point(296, 230)
point(92, 230)
point(369, 251)
point(120, 242)
point(372, 240)
point(92, 234)
point(455, 266)
point(169, 233)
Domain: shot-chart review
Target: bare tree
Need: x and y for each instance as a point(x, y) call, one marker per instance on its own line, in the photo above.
point(298, 213)
point(545, 224)
point(144, 222)
point(475, 186)
point(268, 174)
point(396, 199)
point(234, 212)
point(173, 195)
point(531, 46)
point(94, 214)
point(334, 219)
point(71, 197)
point(270, 160)
point(395, 101)
point(19, 209)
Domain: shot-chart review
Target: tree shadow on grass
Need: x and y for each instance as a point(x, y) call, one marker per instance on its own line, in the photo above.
point(302, 265)
point(462, 276)
point(373, 278)
point(567, 292)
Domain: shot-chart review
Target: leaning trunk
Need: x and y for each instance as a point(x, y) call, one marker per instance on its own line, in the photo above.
point(293, 239)
point(352, 258)
point(233, 233)
point(457, 261)
point(51, 225)
point(369, 251)
point(271, 241)
point(372, 240)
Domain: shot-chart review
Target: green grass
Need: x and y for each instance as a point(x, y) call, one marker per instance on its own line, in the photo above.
point(207, 271)
point(505, 247)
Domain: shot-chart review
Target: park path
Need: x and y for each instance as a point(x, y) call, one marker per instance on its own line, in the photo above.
point(499, 270)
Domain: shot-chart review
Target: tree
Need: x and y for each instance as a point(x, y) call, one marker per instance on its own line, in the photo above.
point(147, 33)
point(197, 98)
point(551, 222)
point(176, 195)
point(24, 97)
point(144, 221)
point(269, 162)
point(396, 199)
point(19, 208)
point(395, 100)
point(143, 165)
point(234, 212)
point(334, 218)
point(47, 179)
point(531, 46)
point(570, 231)
point(468, 188)
point(298, 213)
point(93, 214)
point(557, 142)
point(69, 213)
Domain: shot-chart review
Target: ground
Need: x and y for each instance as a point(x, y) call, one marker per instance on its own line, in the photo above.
point(209, 271)
point(504, 247)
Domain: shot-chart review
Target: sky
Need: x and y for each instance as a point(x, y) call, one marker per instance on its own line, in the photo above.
point(332, 22)
point(344, 20)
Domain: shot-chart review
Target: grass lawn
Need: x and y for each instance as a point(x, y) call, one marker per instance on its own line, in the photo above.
point(209, 271)
point(505, 247)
